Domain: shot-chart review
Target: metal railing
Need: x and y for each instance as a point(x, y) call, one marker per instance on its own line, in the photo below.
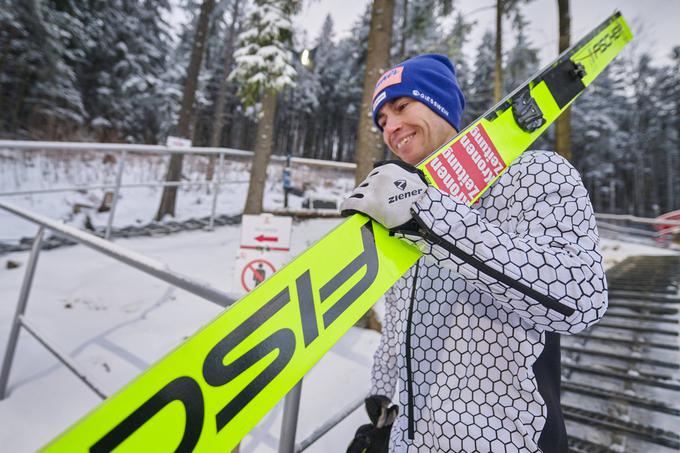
point(639, 228)
point(123, 149)
point(287, 441)
point(291, 406)
point(128, 257)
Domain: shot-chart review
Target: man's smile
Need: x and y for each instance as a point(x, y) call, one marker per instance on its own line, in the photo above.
point(405, 140)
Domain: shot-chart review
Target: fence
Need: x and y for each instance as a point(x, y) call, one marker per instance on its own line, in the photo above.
point(659, 232)
point(124, 149)
point(151, 267)
point(287, 442)
point(629, 225)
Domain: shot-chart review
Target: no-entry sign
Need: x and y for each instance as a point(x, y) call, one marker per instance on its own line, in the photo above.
point(265, 242)
point(255, 272)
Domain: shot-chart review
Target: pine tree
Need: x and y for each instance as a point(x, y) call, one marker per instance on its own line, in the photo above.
point(480, 96)
point(668, 83)
point(455, 41)
point(42, 42)
point(504, 8)
point(601, 147)
point(417, 27)
point(563, 123)
point(126, 44)
point(351, 57)
point(262, 69)
point(522, 59)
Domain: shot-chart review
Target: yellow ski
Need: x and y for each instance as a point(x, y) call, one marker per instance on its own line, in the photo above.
point(209, 392)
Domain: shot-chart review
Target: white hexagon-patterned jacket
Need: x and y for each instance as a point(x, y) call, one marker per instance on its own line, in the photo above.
point(471, 332)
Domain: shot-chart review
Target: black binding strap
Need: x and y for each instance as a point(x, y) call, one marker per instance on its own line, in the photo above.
point(564, 81)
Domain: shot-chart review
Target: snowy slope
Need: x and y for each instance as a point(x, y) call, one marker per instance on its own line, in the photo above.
point(115, 322)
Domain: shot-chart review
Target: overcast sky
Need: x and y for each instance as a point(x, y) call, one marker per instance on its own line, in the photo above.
point(655, 23)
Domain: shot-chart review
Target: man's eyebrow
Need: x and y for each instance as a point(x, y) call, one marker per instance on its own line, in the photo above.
point(390, 104)
point(393, 101)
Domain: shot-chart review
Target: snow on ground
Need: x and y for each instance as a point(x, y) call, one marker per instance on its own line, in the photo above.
point(617, 250)
point(115, 322)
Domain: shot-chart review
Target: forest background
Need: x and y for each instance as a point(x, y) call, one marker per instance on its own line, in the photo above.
point(118, 71)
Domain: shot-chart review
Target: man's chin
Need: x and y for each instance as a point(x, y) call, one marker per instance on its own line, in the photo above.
point(413, 157)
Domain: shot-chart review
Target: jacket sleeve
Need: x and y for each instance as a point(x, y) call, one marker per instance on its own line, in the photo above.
point(542, 260)
point(385, 372)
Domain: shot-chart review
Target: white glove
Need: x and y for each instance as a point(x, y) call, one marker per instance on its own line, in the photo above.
point(387, 194)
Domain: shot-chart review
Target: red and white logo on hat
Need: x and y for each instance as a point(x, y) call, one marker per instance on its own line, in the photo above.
point(391, 77)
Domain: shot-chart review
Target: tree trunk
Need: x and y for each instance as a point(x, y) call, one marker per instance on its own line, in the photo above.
point(370, 147)
point(404, 24)
point(218, 119)
point(563, 123)
point(168, 199)
point(263, 149)
point(498, 72)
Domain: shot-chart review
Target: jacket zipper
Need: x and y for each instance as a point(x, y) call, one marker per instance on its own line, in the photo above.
point(409, 379)
point(544, 299)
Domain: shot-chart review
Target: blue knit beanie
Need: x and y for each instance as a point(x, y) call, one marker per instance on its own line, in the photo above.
point(430, 79)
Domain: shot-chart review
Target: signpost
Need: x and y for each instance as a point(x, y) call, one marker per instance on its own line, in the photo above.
point(178, 142)
point(265, 243)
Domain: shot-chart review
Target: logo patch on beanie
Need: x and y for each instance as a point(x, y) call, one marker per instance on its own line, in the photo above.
point(391, 77)
point(382, 96)
point(425, 98)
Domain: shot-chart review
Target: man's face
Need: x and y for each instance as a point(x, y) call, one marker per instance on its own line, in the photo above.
point(411, 130)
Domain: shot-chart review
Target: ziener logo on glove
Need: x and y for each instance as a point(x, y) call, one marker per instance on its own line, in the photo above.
point(400, 184)
point(404, 195)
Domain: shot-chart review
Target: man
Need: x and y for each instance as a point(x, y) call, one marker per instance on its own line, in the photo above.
point(471, 332)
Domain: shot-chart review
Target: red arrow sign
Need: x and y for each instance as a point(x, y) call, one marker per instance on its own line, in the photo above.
point(263, 238)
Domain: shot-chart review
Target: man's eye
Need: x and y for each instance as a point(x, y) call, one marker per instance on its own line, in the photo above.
point(402, 106)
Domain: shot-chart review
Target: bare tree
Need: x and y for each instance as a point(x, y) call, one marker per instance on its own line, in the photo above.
point(228, 56)
point(404, 25)
point(498, 71)
point(563, 123)
point(370, 147)
point(503, 8)
point(169, 197)
point(263, 151)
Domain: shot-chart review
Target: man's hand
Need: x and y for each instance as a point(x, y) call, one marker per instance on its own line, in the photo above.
point(374, 437)
point(387, 194)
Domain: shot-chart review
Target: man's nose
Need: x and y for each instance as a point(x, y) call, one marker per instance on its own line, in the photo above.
point(392, 125)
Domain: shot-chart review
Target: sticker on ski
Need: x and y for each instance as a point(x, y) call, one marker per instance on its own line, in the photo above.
point(467, 166)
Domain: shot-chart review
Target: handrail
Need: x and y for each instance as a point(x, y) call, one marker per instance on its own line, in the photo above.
point(129, 257)
point(632, 218)
point(113, 186)
point(159, 149)
point(124, 148)
point(329, 424)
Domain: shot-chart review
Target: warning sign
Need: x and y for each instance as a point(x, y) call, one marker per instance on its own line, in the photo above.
point(255, 272)
point(265, 242)
point(467, 166)
point(255, 266)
